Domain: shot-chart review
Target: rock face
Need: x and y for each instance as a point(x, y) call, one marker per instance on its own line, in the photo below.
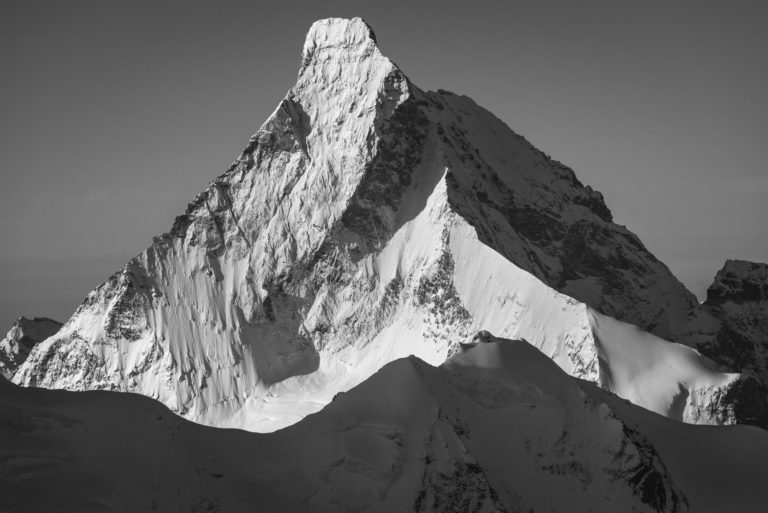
point(369, 220)
point(497, 428)
point(739, 299)
point(21, 338)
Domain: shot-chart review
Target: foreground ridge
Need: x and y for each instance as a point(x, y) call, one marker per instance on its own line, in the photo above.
point(498, 427)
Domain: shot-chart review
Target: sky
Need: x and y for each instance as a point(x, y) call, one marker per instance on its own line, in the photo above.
point(113, 115)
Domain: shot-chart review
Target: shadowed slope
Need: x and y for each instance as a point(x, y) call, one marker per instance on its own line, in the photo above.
point(499, 427)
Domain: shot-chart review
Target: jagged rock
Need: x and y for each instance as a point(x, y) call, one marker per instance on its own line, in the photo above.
point(368, 220)
point(21, 338)
point(739, 282)
point(739, 299)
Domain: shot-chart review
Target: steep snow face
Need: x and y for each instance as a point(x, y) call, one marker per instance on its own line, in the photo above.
point(667, 378)
point(498, 427)
point(21, 338)
point(365, 221)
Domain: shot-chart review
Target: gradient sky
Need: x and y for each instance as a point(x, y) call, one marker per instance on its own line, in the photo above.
point(113, 115)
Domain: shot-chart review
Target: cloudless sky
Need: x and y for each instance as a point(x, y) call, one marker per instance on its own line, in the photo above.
point(113, 115)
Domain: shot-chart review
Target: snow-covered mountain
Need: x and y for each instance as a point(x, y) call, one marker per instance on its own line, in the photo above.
point(368, 220)
point(21, 338)
point(498, 427)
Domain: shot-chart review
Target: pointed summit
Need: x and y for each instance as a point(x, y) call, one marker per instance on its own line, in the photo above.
point(20, 340)
point(341, 63)
point(338, 32)
point(332, 39)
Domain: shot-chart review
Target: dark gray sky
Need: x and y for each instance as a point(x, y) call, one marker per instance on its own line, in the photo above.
point(113, 115)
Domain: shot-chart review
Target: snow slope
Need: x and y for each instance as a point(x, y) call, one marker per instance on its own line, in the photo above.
point(365, 221)
point(670, 379)
point(20, 340)
point(498, 427)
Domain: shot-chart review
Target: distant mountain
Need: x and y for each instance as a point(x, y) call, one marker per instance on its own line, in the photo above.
point(739, 299)
point(368, 220)
point(498, 427)
point(21, 338)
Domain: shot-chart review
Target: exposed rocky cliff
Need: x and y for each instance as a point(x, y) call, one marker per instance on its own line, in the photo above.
point(21, 338)
point(739, 299)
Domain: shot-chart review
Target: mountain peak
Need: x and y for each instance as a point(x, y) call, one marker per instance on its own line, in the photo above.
point(366, 220)
point(739, 280)
point(335, 31)
point(334, 34)
point(21, 338)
